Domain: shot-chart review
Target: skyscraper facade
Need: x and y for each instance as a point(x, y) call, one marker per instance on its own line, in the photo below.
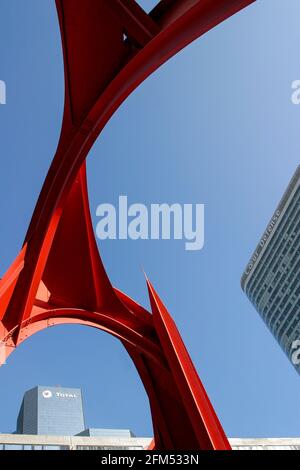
point(272, 277)
point(51, 411)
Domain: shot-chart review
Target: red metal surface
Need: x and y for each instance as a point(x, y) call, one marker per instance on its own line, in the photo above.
point(109, 47)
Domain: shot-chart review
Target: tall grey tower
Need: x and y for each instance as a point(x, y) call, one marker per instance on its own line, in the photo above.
point(272, 277)
point(51, 411)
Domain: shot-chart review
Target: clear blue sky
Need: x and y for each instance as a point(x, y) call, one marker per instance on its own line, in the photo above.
point(215, 126)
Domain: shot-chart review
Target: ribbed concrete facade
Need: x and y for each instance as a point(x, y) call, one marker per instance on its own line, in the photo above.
point(272, 277)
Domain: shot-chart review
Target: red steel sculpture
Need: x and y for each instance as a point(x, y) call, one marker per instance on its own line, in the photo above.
point(109, 47)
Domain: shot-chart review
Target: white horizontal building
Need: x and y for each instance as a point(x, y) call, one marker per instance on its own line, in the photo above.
point(39, 442)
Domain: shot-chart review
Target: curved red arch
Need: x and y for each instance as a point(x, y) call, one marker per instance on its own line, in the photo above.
point(109, 47)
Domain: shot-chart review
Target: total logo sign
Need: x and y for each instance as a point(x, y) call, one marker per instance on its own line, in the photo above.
point(49, 394)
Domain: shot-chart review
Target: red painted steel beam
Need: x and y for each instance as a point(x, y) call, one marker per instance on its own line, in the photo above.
point(109, 47)
point(202, 416)
point(137, 24)
point(195, 21)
